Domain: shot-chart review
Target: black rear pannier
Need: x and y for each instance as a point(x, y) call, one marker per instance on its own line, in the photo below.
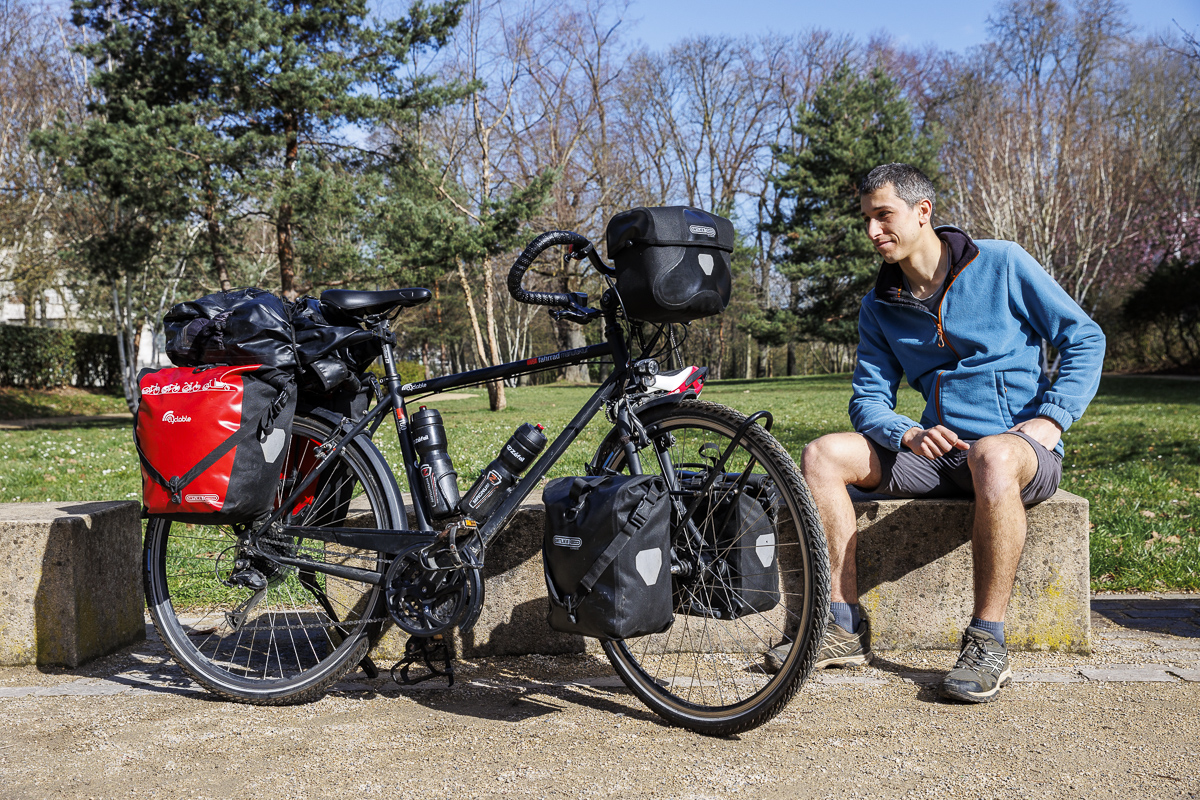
point(739, 528)
point(672, 262)
point(607, 555)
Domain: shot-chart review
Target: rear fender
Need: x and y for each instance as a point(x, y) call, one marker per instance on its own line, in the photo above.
point(391, 491)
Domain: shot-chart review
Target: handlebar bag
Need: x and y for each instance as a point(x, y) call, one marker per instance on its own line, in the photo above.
point(739, 529)
point(212, 441)
point(607, 555)
point(672, 262)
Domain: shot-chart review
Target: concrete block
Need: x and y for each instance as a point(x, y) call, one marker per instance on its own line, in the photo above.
point(70, 581)
point(513, 619)
point(914, 566)
point(915, 574)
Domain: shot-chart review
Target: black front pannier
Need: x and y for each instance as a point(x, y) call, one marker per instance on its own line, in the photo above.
point(739, 528)
point(607, 555)
point(672, 262)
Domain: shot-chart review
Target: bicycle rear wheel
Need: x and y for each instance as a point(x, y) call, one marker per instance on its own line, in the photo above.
point(750, 573)
point(251, 630)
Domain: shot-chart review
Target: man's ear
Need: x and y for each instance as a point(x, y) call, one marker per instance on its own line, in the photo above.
point(925, 211)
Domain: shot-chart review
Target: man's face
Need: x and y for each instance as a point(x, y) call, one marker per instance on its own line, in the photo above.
point(893, 227)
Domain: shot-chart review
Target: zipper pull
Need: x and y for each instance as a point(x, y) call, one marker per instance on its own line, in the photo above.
point(941, 341)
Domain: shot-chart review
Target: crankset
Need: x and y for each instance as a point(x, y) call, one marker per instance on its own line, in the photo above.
point(426, 600)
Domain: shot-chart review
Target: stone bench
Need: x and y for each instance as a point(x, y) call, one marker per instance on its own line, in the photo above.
point(914, 568)
point(70, 581)
point(914, 574)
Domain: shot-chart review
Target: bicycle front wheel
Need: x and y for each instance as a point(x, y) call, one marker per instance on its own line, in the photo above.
point(255, 631)
point(750, 573)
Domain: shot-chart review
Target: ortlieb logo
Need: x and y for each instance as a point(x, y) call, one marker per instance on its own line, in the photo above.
point(573, 542)
point(171, 417)
point(702, 230)
point(212, 499)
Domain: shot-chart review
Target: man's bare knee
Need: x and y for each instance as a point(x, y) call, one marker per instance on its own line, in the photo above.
point(839, 458)
point(1001, 461)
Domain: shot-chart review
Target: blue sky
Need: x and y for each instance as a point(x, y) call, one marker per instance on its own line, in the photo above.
point(948, 24)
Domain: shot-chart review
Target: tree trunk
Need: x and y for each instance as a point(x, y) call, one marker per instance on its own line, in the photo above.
point(285, 245)
point(764, 362)
point(791, 359)
point(214, 237)
point(496, 398)
point(570, 337)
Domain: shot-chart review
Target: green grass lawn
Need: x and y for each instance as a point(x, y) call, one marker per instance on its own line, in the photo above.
point(1135, 456)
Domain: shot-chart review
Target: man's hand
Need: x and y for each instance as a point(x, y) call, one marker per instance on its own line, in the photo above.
point(1042, 430)
point(937, 441)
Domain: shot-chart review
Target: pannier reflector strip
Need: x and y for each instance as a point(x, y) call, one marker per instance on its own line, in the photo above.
point(649, 564)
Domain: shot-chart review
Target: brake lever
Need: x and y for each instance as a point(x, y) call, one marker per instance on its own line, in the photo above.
point(576, 313)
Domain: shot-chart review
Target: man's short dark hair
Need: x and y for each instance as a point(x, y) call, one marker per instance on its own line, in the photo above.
point(909, 183)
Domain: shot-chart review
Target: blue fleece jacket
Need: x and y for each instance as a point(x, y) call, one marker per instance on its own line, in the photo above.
point(977, 362)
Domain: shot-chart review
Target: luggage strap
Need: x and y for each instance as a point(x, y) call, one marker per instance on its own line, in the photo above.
point(176, 484)
point(634, 522)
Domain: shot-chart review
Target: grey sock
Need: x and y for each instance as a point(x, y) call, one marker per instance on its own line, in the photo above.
point(846, 615)
point(994, 628)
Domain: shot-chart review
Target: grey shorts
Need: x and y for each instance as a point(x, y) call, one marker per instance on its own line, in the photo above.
point(909, 474)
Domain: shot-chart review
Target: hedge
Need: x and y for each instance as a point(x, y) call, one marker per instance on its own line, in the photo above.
point(41, 358)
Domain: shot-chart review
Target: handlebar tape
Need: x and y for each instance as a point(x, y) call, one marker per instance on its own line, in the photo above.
point(525, 260)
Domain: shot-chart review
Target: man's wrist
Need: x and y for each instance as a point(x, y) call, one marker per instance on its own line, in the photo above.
point(906, 440)
point(1051, 421)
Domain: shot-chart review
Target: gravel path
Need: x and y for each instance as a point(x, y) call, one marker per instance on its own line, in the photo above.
point(1120, 722)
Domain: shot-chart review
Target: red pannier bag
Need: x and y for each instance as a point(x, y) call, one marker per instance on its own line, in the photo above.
point(212, 441)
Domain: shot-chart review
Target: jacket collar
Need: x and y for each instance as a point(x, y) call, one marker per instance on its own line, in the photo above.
point(889, 285)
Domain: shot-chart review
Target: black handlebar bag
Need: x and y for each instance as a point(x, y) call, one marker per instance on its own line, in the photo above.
point(672, 262)
point(607, 555)
point(738, 522)
point(213, 441)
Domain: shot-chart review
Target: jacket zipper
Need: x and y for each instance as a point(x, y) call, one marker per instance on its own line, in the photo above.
point(941, 331)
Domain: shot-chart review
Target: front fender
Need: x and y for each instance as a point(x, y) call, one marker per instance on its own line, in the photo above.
point(611, 441)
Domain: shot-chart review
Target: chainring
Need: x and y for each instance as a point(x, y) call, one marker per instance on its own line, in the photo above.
point(423, 601)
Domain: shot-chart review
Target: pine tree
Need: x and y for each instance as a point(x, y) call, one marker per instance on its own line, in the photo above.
point(853, 124)
point(221, 110)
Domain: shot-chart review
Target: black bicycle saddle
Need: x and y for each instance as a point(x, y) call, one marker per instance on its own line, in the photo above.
point(365, 304)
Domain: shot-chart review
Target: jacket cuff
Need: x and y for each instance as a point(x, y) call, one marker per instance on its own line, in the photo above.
point(1057, 413)
point(901, 426)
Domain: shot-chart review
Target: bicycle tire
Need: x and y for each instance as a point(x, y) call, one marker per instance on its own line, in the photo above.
point(308, 629)
point(705, 674)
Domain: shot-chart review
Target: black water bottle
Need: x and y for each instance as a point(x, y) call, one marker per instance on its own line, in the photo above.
point(438, 478)
point(499, 476)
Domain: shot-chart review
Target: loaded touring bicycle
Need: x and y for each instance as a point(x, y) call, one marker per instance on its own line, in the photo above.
point(690, 548)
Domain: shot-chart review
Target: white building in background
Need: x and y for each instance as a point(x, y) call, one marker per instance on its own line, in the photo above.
point(146, 349)
point(13, 313)
point(14, 310)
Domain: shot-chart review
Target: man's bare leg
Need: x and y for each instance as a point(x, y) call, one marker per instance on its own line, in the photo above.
point(1000, 466)
point(830, 464)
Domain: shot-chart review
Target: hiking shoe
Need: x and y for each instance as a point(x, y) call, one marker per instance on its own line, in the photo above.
point(839, 648)
point(982, 669)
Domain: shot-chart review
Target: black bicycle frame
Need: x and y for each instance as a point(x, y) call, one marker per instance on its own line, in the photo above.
point(393, 401)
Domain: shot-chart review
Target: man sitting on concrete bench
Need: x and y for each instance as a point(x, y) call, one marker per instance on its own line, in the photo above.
point(963, 322)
